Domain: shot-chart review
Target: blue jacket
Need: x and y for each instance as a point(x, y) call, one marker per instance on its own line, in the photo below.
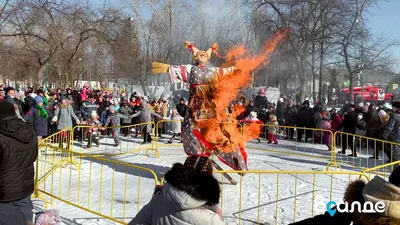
point(40, 124)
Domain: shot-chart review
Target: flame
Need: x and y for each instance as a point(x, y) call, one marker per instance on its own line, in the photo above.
point(223, 130)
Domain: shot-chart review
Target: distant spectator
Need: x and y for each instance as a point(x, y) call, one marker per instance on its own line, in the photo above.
point(182, 107)
point(40, 115)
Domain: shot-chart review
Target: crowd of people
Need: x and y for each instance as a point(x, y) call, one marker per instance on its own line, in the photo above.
point(26, 116)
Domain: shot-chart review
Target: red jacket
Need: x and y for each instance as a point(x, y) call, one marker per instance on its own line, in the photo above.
point(336, 121)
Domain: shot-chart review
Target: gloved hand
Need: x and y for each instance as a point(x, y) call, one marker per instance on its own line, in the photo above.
point(78, 122)
point(54, 119)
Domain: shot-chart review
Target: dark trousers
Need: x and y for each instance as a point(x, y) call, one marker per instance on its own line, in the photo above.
point(25, 205)
point(125, 130)
point(146, 135)
point(300, 133)
point(290, 133)
point(347, 141)
point(93, 138)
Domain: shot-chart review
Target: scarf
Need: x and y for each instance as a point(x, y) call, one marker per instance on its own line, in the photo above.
point(45, 100)
point(42, 112)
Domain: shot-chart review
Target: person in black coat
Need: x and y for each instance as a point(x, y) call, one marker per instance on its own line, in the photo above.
point(290, 113)
point(251, 108)
point(305, 118)
point(349, 125)
point(261, 102)
point(18, 152)
point(182, 107)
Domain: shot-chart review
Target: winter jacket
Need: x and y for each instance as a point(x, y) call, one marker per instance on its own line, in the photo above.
point(261, 102)
point(188, 197)
point(126, 112)
point(376, 190)
point(114, 120)
point(336, 121)
point(176, 126)
point(290, 114)
point(392, 130)
point(181, 108)
point(64, 115)
point(144, 116)
point(272, 126)
point(18, 152)
point(305, 117)
point(280, 110)
point(40, 124)
point(250, 109)
point(349, 123)
point(29, 102)
point(87, 108)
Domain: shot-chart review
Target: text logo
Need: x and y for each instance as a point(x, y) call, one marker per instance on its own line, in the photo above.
point(344, 207)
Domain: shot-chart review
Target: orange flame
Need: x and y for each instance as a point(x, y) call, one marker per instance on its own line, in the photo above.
point(220, 129)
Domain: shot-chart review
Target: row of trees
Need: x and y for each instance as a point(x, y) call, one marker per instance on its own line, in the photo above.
point(328, 40)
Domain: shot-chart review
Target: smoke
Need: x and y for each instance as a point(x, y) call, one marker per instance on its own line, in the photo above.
point(220, 129)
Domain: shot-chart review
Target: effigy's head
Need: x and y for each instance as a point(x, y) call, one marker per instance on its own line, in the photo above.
point(200, 56)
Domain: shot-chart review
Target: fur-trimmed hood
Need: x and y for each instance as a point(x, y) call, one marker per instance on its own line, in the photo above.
point(189, 188)
point(376, 190)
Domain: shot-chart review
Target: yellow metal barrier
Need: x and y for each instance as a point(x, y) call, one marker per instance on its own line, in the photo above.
point(85, 140)
point(370, 152)
point(307, 145)
point(280, 197)
point(53, 147)
point(100, 186)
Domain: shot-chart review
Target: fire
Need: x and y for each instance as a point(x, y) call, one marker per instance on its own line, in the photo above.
point(223, 130)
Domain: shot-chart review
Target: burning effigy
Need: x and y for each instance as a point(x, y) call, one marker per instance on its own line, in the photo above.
point(208, 128)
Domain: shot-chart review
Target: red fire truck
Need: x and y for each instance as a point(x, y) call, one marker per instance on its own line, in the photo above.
point(371, 93)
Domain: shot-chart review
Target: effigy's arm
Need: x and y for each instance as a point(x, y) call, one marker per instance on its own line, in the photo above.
point(177, 73)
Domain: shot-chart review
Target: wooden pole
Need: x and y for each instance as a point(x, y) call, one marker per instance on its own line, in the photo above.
point(233, 182)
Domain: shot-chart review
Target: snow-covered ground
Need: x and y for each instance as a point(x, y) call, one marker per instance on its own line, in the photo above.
point(105, 186)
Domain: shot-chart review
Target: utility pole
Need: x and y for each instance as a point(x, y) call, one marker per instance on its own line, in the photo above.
point(362, 58)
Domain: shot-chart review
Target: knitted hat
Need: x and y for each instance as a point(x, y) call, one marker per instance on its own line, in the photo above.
point(38, 99)
point(112, 108)
point(382, 113)
point(12, 215)
point(6, 109)
point(199, 163)
point(183, 99)
point(94, 113)
point(261, 91)
point(62, 97)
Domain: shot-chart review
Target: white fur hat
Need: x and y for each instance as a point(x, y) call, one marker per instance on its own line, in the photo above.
point(382, 113)
point(253, 114)
point(94, 113)
point(280, 99)
point(361, 104)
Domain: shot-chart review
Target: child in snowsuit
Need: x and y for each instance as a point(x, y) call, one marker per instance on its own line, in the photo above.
point(176, 126)
point(144, 116)
point(93, 132)
point(115, 119)
point(327, 135)
point(272, 125)
point(252, 118)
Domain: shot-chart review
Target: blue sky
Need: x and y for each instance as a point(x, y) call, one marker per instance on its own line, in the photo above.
point(385, 19)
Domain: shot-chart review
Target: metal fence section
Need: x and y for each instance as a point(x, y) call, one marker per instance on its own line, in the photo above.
point(301, 141)
point(370, 152)
point(105, 187)
point(280, 197)
point(94, 140)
